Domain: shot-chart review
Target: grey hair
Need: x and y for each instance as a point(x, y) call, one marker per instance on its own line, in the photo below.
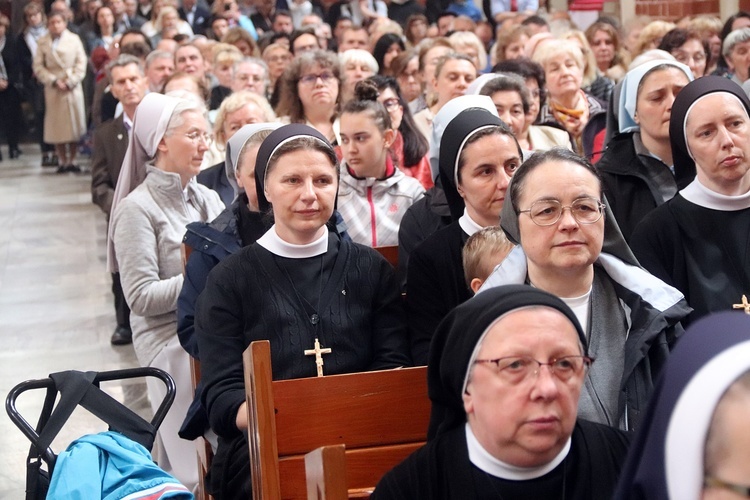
point(188, 103)
point(158, 54)
point(733, 38)
point(508, 82)
point(122, 61)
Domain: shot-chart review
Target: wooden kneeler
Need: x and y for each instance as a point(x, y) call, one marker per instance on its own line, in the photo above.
point(380, 417)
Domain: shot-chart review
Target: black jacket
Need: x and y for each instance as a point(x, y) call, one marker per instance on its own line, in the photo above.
point(631, 186)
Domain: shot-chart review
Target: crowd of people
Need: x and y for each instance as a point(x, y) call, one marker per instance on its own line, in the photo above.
point(571, 207)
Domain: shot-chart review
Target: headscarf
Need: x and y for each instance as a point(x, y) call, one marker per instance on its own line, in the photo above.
point(447, 113)
point(614, 242)
point(456, 339)
point(457, 132)
point(629, 93)
point(236, 144)
point(477, 85)
point(273, 142)
point(666, 455)
point(149, 126)
point(684, 166)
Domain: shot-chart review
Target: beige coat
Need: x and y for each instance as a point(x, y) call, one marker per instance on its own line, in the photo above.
point(65, 116)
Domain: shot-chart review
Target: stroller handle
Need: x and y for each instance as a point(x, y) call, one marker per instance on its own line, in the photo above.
point(33, 434)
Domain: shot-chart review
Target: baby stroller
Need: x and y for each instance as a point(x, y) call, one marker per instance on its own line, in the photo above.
point(82, 388)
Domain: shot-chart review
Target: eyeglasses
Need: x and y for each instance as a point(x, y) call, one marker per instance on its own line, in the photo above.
point(275, 59)
point(548, 212)
point(713, 482)
point(197, 136)
point(516, 369)
point(312, 79)
point(391, 104)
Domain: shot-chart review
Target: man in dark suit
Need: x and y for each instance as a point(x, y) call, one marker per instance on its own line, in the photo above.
point(195, 15)
point(128, 85)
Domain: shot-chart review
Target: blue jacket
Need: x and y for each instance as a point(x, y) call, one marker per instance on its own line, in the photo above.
point(111, 466)
point(211, 243)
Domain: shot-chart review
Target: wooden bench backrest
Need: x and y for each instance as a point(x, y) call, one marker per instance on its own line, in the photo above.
point(381, 417)
point(390, 253)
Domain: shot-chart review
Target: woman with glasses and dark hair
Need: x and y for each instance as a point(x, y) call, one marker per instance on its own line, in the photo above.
point(155, 198)
point(505, 374)
point(688, 48)
point(568, 247)
point(374, 193)
point(534, 137)
point(409, 148)
point(310, 92)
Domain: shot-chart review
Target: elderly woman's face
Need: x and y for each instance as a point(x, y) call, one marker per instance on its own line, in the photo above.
point(739, 60)
point(728, 448)
point(488, 165)
point(656, 95)
point(250, 76)
point(693, 54)
point(718, 136)
point(317, 87)
point(301, 188)
point(355, 72)
point(509, 107)
point(567, 246)
point(247, 114)
point(181, 150)
point(564, 75)
point(524, 422)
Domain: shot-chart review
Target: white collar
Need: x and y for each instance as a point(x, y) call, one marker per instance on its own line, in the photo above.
point(272, 242)
point(468, 224)
point(697, 193)
point(127, 121)
point(482, 459)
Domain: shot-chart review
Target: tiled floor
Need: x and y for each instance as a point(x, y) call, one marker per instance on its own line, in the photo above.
point(55, 302)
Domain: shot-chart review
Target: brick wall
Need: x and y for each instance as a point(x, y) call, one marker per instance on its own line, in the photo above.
point(674, 9)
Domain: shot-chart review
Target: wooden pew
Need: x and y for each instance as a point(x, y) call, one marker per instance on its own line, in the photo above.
point(390, 253)
point(381, 417)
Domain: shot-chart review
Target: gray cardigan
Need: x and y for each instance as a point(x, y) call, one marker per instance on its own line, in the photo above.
point(148, 228)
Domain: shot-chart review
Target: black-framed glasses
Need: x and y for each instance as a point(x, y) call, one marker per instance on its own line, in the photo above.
point(548, 212)
point(516, 369)
point(392, 103)
point(325, 77)
point(715, 482)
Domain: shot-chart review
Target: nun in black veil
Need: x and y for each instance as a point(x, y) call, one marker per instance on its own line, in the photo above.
point(478, 155)
point(299, 282)
point(694, 440)
point(505, 372)
point(699, 241)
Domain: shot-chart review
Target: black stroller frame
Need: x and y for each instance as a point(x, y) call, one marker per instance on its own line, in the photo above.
point(81, 388)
